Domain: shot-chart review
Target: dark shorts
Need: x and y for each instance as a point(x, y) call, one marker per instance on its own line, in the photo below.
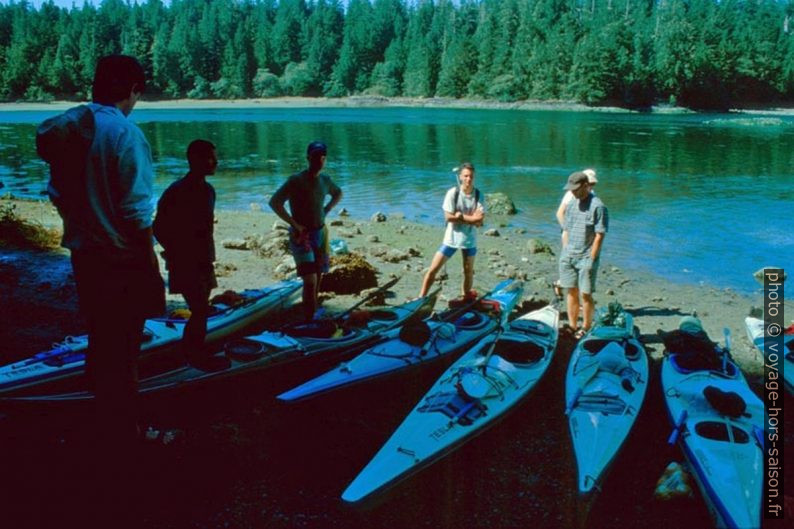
point(311, 252)
point(449, 251)
point(191, 277)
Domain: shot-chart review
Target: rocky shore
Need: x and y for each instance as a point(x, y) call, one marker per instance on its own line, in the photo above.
point(247, 462)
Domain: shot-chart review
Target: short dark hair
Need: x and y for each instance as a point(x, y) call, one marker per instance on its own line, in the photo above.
point(115, 77)
point(199, 148)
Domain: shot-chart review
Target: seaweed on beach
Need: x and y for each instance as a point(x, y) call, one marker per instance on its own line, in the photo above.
point(22, 233)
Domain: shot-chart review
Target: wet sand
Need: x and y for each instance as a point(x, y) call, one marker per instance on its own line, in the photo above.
point(249, 461)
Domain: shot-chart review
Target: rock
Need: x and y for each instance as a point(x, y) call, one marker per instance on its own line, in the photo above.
point(344, 212)
point(224, 269)
point(337, 222)
point(379, 251)
point(349, 274)
point(493, 232)
point(395, 256)
point(280, 225)
point(499, 204)
point(494, 251)
point(378, 217)
point(537, 246)
point(273, 248)
point(284, 270)
point(347, 233)
point(373, 238)
point(402, 229)
point(758, 275)
point(520, 231)
point(255, 206)
point(399, 215)
point(235, 244)
point(610, 292)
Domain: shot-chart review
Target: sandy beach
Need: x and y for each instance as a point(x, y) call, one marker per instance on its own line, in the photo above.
point(247, 462)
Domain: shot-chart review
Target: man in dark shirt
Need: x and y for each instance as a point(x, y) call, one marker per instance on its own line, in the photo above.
point(306, 192)
point(184, 227)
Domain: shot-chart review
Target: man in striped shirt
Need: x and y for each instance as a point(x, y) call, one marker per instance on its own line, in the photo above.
point(585, 225)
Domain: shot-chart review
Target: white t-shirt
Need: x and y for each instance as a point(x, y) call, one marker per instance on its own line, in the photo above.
point(460, 235)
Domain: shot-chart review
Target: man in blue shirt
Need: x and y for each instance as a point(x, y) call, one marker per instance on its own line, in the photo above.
point(102, 187)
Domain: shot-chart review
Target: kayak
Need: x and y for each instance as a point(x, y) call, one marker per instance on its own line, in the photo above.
point(479, 388)
point(718, 422)
point(272, 348)
point(605, 386)
point(755, 332)
point(61, 366)
point(442, 335)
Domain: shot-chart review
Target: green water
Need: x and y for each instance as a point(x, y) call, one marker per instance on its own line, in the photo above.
point(694, 198)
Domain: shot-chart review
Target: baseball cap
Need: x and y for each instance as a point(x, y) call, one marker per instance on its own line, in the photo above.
point(316, 147)
point(591, 176)
point(576, 180)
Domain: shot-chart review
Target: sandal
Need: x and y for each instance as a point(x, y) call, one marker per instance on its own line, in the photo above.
point(580, 333)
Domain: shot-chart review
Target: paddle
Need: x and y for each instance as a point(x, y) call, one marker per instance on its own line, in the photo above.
point(726, 349)
point(369, 296)
point(491, 349)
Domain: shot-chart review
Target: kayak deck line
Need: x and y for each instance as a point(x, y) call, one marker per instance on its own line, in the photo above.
point(473, 394)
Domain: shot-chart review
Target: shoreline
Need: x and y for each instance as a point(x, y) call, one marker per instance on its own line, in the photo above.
point(394, 247)
point(377, 102)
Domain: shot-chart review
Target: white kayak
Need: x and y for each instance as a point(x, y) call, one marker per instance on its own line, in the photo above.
point(720, 431)
point(604, 389)
point(274, 348)
point(755, 332)
point(59, 368)
point(479, 388)
point(447, 334)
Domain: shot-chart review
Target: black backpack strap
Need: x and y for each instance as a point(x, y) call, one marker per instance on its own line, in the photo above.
point(457, 195)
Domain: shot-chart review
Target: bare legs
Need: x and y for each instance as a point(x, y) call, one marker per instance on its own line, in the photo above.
point(439, 259)
point(588, 308)
point(468, 274)
point(311, 284)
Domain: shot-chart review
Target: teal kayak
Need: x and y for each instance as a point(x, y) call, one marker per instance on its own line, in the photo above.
point(274, 348)
point(605, 387)
point(719, 424)
point(472, 394)
point(61, 367)
point(445, 334)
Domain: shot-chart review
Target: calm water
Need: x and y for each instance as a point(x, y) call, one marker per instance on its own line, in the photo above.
point(694, 198)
